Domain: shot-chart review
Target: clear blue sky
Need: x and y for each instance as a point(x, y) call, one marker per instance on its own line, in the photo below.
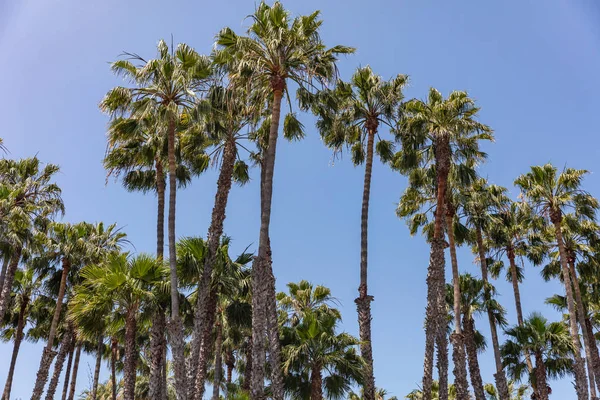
point(532, 66)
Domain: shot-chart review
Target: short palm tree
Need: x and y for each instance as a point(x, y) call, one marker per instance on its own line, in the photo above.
point(439, 131)
point(276, 51)
point(516, 391)
point(551, 347)
point(352, 115)
point(164, 89)
point(550, 195)
point(417, 394)
point(127, 285)
point(28, 200)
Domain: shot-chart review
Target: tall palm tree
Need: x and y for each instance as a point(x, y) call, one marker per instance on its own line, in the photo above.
point(69, 247)
point(223, 116)
point(26, 286)
point(353, 119)
point(28, 200)
point(164, 88)
point(276, 50)
point(438, 132)
point(550, 345)
point(479, 203)
point(127, 284)
point(551, 194)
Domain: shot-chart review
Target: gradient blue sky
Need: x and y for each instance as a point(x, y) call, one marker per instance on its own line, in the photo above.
point(532, 66)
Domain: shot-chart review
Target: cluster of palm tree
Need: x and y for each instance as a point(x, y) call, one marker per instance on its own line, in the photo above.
point(75, 286)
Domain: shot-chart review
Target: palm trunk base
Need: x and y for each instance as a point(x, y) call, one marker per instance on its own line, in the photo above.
point(363, 306)
point(460, 365)
point(42, 374)
point(175, 329)
point(501, 385)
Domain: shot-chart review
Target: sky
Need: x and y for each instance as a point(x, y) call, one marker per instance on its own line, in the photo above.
point(532, 66)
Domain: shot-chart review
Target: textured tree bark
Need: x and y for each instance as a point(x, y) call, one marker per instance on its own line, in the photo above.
point(218, 360)
point(594, 347)
point(474, 370)
point(581, 382)
point(97, 366)
point(442, 360)
point(230, 364)
point(499, 376)
point(316, 383)
point(65, 345)
point(581, 315)
point(515, 284)
point(363, 301)
point(261, 265)
point(248, 369)
point(49, 354)
point(176, 334)
point(206, 344)
point(6, 288)
point(65, 390)
point(457, 338)
point(131, 354)
point(431, 313)
point(75, 369)
point(277, 389)
point(113, 367)
point(215, 231)
point(540, 373)
point(18, 339)
point(157, 334)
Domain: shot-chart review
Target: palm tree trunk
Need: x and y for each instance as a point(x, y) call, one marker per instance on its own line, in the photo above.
point(158, 380)
point(157, 334)
point(277, 388)
point(499, 376)
point(515, 284)
point(75, 369)
point(581, 382)
point(316, 383)
point(8, 282)
point(215, 231)
point(176, 334)
point(113, 367)
point(261, 265)
point(230, 364)
point(5, 263)
point(474, 370)
point(48, 354)
point(457, 338)
point(248, 369)
point(131, 354)
point(594, 349)
point(65, 389)
point(218, 361)
point(65, 345)
point(17, 345)
point(97, 366)
point(435, 312)
point(206, 344)
point(363, 301)
point(581, 315)
point(540, 373)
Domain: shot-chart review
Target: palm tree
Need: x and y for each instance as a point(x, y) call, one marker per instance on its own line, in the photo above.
point(127, 284)
point(550, 345)
point(516, 391)
point(276, 50)
point(164, 88)
point(550, 195)
point(28, 199)
point(316, 358)
point(473, 303)
point(417, 394)
point(353, 118)
point(439, 131)
point(26, 285)
point(223, 116)
point(72, 246)
point(479, 202)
